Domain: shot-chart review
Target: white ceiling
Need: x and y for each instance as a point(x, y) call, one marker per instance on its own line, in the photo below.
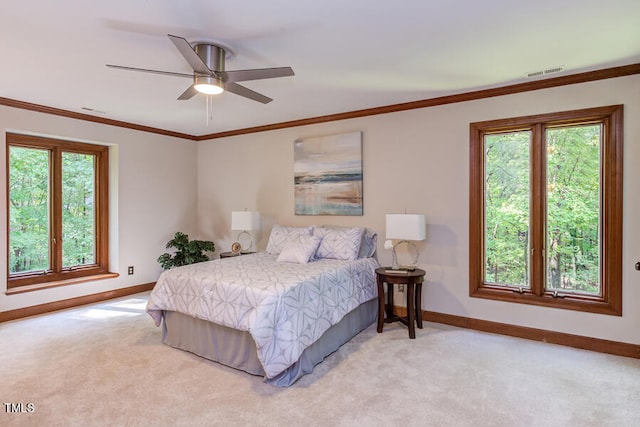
point(347, 54)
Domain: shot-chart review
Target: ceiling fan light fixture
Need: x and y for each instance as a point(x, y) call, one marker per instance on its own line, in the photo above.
point(209, 76)
point(208, 85)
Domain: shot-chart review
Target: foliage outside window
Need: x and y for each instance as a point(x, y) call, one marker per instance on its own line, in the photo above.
point(57, 203)
point(546, 210)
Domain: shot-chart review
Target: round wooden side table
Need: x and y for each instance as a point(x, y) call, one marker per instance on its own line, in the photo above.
point(413, 280)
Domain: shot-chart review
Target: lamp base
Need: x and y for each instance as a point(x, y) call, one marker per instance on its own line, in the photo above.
point(409, 267)
point(245, 248)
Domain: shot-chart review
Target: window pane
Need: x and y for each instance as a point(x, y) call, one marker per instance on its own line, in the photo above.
point(506, 204)
point(573, 209)
point(78, 209)
point(28, 210)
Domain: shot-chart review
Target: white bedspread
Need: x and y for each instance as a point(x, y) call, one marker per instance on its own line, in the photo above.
point(285, 307)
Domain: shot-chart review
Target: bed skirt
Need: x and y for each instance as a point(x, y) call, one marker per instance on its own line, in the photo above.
point(237, 349)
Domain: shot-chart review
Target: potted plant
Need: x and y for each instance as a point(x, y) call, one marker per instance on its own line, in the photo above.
point(187, 252)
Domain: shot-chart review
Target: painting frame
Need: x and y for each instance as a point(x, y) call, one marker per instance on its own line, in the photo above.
point(328, 178)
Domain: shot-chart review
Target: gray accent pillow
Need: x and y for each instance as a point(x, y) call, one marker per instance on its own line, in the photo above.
point(369, 244)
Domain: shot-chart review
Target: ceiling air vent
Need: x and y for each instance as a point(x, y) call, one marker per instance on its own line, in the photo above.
point(93, 110)
point(545, 71)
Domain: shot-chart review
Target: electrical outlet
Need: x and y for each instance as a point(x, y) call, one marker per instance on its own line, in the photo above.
point(130, 270)
point(401, 289)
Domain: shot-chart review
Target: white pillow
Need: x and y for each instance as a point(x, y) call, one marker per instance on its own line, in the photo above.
point(369, 243)
point(300, 252)
point(339, 243)
point(280, 236)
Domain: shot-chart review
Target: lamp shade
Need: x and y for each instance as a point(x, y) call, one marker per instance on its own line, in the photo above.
point(406, 227)
point(245, 220)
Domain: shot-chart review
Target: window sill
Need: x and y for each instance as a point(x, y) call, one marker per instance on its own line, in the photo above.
point(567, 302)
point(41, 286)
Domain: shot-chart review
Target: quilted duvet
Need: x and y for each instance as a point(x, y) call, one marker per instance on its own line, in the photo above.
point(285, 307)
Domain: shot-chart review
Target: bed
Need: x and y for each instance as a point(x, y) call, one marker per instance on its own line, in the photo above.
point(276, 313)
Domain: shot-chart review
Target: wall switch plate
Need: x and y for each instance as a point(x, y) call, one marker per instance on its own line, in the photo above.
point(130, 270)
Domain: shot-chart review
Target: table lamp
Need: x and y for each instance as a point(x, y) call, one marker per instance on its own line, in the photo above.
point(406, 228)
point(245, 221)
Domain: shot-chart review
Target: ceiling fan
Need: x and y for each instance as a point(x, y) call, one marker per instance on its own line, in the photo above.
point(209, 76)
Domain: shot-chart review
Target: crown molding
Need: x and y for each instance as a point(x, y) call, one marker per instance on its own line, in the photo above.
point(589, 76)
point(89, 118)
point(570, 79)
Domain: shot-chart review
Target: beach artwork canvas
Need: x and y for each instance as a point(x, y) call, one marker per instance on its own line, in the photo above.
point(328, 175)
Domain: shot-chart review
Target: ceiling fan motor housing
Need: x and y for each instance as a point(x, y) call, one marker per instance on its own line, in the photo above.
point(212, 55)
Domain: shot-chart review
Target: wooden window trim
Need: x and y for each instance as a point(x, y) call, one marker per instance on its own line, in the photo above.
point(78, 274)
point(610, 302)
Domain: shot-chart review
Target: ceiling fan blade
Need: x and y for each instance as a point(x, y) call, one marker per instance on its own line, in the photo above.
point(247, 93)
point(188, 94)
point(257, 74)
point(190, 55)
point(166, 73)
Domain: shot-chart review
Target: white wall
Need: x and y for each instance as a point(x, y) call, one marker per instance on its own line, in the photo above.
point(418, 160)
point(152, 195)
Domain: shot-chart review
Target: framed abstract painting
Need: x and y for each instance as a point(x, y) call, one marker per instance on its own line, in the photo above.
point(328, 175)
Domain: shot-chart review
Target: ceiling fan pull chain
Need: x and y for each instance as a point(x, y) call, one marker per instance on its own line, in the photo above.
point(209, 101)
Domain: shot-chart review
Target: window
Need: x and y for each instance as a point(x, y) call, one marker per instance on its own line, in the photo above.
point(58, 214)
point(546, 210)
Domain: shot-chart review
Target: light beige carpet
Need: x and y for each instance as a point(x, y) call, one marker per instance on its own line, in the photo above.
point(104, 365)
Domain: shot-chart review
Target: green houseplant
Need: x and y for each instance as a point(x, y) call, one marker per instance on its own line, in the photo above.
point(187, 252)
